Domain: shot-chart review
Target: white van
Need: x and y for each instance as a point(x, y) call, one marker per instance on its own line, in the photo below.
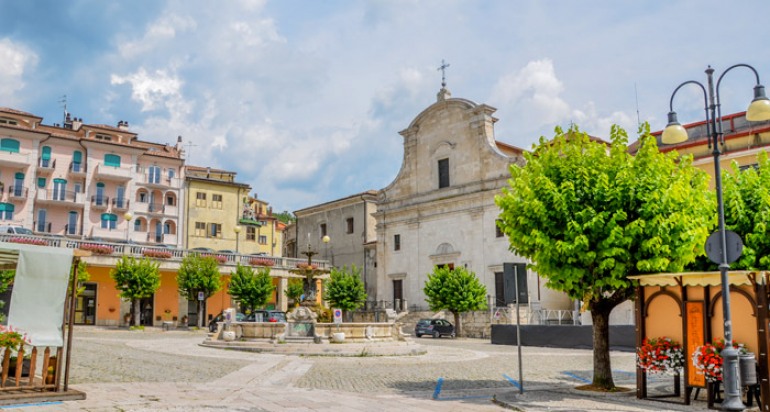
point(17, 230)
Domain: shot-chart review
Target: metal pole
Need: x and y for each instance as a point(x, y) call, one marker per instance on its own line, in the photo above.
point(518, 326)
point(71, 321)
point(731, 376)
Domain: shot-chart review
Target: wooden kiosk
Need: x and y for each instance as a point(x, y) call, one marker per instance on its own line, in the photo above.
point(44, 376)
point(687, 307)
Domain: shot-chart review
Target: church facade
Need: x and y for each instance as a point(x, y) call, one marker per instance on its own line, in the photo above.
point(440, 209)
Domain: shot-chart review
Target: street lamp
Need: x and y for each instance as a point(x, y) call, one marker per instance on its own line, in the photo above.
point(237, 230)
point(759, 110)
point(326, 239)
point(128, 216)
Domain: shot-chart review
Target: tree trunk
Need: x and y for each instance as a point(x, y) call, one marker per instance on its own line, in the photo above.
point(458, 326)
point(600, 315)
point(137, 312)
point(200, 314)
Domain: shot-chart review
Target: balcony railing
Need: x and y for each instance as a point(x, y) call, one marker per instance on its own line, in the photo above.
point(15, 159)
point(18, 192)
point(100, 202)
point(121, 204)
point(73, 230)
point(53, 196)
point(42, 226)
point(155, 207)
point(160, 181)
point(114, 172)
point(77, 169)
point(116, 249)
point(46, 166)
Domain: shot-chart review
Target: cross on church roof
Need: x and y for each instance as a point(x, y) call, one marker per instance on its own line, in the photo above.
point(443, 73)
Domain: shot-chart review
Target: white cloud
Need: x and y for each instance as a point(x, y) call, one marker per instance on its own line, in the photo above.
point(16, 60)
point(152, 89)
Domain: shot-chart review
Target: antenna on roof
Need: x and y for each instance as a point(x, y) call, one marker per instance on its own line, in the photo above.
point(63, 101)
point(636, 95)
point(189, 145)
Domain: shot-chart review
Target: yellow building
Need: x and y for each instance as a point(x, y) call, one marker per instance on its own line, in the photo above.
point(213, 201)
point(266, 236)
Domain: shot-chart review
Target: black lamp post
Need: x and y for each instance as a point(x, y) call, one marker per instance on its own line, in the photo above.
point(759, 110)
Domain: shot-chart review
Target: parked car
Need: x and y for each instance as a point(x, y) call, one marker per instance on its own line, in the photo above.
point(202, 250)
point(267, 316)
point(16, 230)
point(239, 317)
point(226, 252)
point(434, 327)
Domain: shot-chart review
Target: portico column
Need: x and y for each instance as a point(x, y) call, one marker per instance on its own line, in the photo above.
point(281, 299)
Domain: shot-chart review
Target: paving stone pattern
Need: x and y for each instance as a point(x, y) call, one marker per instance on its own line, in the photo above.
point(168, 371)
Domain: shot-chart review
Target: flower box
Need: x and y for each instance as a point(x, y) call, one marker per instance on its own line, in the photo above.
point(28, 241)
point(305, 266)
point(219, 258)
point(660, 355)
point(261, 262)
point(707, 359)
point(157, 254)
point(97, 249)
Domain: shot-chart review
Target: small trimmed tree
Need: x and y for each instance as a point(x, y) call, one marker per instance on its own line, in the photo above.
point(252, 289)
point(344, 289)
point(456, 290)
point(136, 279)
point(199, 274)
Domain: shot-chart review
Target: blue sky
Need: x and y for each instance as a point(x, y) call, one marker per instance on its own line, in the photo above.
point(305, 99)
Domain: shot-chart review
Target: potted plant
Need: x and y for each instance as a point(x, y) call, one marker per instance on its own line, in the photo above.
point(50, 375)
point(707, 359)
point(13, 341)
point(660, 355)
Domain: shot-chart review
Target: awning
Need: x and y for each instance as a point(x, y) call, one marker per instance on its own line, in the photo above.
point(735, 277)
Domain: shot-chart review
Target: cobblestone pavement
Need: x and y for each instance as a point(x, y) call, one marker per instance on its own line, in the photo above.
point(169, 371)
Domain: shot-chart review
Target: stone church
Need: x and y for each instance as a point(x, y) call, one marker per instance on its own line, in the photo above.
point(440, 209)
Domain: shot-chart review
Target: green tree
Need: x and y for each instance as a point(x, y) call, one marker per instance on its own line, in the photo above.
point(136, 279)
point(251, 289)
point(747, 211)
point(285, 217)
point(6, 278)
point(198, 274)
point(83, 277)
point(344, 289)
point(588, 215)
point(294, 290)
point(456, 290)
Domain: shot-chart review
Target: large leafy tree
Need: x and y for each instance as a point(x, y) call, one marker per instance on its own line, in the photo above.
point(344, 289)
point(136, 279)
point(747, 211)
point(588, 215)
point(251, 289)
point(294, 290)
point(198, 274)
point(456, 290)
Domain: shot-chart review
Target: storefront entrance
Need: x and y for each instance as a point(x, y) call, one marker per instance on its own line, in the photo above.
point(85, 308)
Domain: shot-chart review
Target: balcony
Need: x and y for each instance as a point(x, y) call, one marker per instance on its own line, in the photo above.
point(42, 227)
point(100, 202)
point(121, 174)
point(61, 197)
point(72, 230)
point(18, 192)
point(77, 170)
point(120, 204)
point(45, 167)
point(108, 235)
point(160, 182)
point(14, 159)
point(156, 208)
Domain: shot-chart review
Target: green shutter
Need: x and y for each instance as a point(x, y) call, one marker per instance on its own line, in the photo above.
point(77, 157)
point(46, 153)
point(100, 184)
point(109, 216)
point(41, 182)
point(9, 145)
point(19, 175)
point(112, 160)
point(6, 207)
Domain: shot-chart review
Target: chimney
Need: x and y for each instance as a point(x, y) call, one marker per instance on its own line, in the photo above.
point(77, 123)
point(208, 172)
point(68, 122)
point(178, 143)
point(122, 125)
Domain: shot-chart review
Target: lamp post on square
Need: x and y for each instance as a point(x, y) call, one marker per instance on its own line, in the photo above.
point(237, 230)
point(759, 110)
point(128, 216)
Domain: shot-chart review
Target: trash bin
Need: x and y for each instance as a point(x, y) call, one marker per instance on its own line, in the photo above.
point(747, 366)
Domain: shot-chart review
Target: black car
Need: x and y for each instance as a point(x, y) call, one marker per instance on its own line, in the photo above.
point(266, 316)
point(239, 317)
point(434, 327)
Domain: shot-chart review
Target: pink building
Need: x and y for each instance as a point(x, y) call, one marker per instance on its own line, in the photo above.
point(88, 181)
